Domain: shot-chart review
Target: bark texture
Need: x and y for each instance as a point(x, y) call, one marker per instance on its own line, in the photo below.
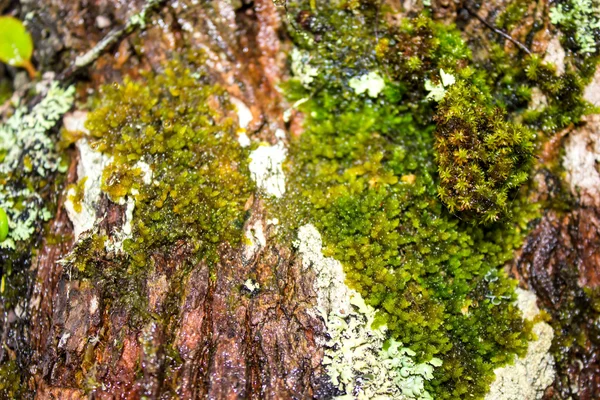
point(212, 337)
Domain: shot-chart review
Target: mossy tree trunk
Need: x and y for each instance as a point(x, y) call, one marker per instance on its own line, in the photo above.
point(209, 335)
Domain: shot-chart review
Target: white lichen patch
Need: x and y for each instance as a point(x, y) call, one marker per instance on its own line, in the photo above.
point(75, 121)
point(244, 114)
point(255, 239)
point(251, 286)
point(529, 376)
point(114, 244)
point(245, 117)
point(438, 91)
point(592, 91)
point(266, 168)
point(90, 167)
point(301, 67)
point(360, 360)
point(372, 83)
point(555, 54)
point(582, 155)
point(146, 171)
point(27, 151)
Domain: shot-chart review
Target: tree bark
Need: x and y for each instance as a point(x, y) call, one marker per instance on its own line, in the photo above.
point(210, 337)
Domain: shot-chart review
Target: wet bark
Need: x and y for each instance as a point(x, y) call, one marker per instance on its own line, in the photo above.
point(209, 336)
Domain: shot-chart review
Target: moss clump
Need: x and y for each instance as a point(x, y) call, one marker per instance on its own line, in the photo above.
point(77, 192)
point(181, 173)
point(364, 173)
point(481, 157)
point(178, 125)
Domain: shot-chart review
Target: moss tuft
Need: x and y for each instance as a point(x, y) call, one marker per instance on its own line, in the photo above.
point(482, 158)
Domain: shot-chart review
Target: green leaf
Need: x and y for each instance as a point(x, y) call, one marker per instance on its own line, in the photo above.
point(16, 45)
point(3, 225)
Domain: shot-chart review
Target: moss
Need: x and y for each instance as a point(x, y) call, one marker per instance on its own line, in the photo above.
point(77, 192)
point(177, 123)
point(12, 385)
point(364, 173)
point(481, 157)
point(175, 154)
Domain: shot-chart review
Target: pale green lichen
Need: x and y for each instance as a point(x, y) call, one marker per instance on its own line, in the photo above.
point(372, 83)
point(25, 132)
point(27, 158)
point(530, 375)
point(581, 16)
point(301, 67)
point(361, 361)
point(438, 91)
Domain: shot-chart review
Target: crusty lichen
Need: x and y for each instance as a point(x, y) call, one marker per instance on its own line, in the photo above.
point(362, 361)
point(265, 167)
point(83, 198)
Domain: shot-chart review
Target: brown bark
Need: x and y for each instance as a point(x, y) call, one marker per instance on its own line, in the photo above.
point(208, 336)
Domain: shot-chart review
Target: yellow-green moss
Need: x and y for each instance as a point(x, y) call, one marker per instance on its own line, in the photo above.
point(78, 191)
point(173, 141)
point(179, 123)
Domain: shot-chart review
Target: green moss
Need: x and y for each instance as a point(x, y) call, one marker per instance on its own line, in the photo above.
point(178, 124)
point(12, 385)
point(78, 191)
point(481, 157)
point(364, 173)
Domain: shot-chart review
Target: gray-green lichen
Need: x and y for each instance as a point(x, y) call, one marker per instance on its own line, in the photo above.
point(361, 361)
point(581, 16)
point(28, 154)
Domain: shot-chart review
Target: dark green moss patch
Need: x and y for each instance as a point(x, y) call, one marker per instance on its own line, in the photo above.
point(482, 158)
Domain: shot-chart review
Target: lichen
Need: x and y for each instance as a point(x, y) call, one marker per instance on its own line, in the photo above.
point(83, 197)
point(265, 166)
point(30, 183)
point(529, 376)
point(582, 17)
point(361, 362)
point(27, 159)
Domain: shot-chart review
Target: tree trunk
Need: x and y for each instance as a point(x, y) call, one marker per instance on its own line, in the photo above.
point(211, 333)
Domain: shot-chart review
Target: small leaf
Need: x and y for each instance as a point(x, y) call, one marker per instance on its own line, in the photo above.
point(16, 46)
point(3, 225)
